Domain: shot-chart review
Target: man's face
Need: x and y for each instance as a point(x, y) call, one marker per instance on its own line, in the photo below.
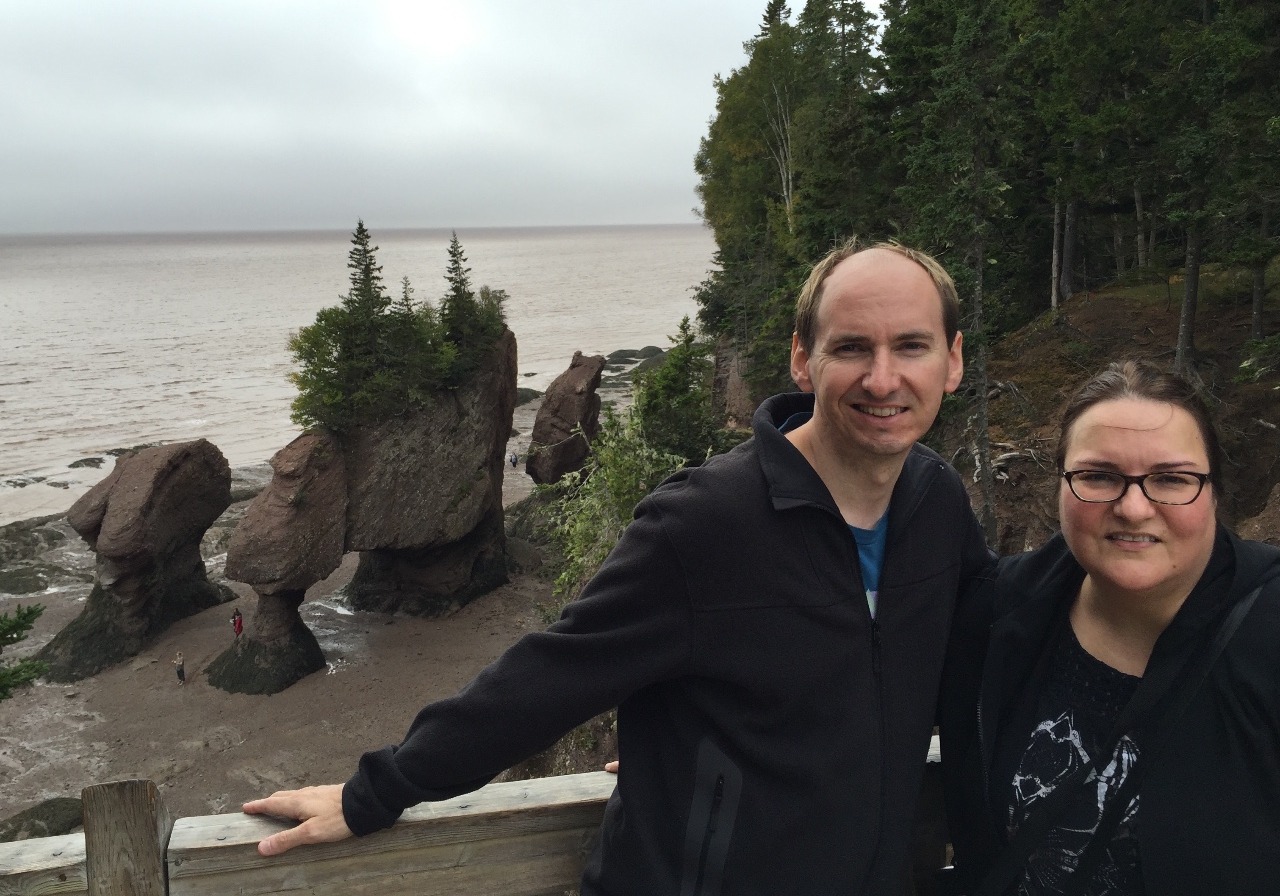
point(880, 362)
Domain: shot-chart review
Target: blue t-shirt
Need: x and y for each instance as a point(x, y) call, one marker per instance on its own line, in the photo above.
point(870, 541)
point(871, 557)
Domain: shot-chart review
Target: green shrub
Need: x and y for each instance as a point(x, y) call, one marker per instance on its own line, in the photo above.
point(1261, 358)
point(596, 503)
point(673, 400)
point(13, 628)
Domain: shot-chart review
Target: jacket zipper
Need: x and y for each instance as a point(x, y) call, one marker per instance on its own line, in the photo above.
point(984, 759)
point(877, 665)
point(716, 799)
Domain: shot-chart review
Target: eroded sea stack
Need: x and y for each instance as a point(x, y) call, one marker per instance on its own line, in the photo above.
point(419, 496)
point(567, 421)
point(144, 521)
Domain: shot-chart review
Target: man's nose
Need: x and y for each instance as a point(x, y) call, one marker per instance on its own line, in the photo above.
point(882, 377)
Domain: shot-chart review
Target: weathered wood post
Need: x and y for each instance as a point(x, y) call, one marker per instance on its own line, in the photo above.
point(126, 832)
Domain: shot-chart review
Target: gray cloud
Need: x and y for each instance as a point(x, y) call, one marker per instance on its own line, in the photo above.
point(137, 115)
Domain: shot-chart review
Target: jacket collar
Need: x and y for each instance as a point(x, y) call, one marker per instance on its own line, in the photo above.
point(793, 483)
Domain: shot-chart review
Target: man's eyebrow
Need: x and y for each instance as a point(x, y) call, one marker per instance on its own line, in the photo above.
point(916, 336)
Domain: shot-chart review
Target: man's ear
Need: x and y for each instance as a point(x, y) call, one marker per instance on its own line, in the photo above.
point(800, 365)
point(955, 364)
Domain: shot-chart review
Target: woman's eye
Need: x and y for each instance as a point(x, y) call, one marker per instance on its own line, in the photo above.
point(1091, 477)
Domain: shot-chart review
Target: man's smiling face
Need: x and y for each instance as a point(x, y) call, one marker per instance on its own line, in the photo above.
point(880, 362)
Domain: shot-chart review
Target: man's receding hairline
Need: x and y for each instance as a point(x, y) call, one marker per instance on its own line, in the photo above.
point(892, 250)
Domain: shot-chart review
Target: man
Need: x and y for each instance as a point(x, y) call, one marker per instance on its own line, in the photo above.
point(771, 628)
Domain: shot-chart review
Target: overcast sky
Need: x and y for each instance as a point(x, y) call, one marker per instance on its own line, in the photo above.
point(227, 115)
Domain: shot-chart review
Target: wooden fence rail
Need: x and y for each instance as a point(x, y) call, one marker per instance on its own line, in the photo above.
point(518, 838)
point(523, 838)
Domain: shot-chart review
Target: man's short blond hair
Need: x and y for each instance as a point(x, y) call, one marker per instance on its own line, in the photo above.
point(811, 295)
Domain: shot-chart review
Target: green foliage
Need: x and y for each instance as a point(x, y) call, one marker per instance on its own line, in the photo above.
point(672, 405)
point(1261, 360)
point(13, 628)
point(371, 357)
point(595, 504)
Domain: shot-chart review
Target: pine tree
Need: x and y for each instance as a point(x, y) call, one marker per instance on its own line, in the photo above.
point(367, 294)
point(470, 324)
point(12, 630)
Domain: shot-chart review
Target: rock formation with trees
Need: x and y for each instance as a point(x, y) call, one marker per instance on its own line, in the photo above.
point(408, 410)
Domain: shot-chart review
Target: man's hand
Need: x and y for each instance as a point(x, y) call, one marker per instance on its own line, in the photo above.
point(611, 766)
point(318, 808)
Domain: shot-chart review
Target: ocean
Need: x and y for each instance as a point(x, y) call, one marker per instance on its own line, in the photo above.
point(111, 341)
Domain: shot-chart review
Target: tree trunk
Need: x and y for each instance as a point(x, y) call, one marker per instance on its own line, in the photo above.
point(1141, 240)
point(1117, 245)
point(982, 438)
point(1056, 264)
point(779, 118)
point(1183, 359)
point(1259, 294)
point(1065, 286)
point(1259, 289)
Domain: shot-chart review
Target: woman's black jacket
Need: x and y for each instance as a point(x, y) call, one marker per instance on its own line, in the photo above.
point(1209, 799)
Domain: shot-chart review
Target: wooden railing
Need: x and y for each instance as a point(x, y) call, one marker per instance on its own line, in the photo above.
point(521, 838)
point(518, 838)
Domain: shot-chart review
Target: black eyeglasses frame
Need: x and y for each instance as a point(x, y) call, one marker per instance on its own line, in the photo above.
point(1140, 481)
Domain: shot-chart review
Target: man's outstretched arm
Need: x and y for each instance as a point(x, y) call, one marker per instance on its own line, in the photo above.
point(318, 808)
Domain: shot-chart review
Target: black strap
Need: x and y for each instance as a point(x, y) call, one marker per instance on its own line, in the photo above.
point(1012, 860)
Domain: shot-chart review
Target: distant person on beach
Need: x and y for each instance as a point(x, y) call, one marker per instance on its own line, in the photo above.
point(237, 623)
point(515, 459)
point(181, 669)
point(771, 628)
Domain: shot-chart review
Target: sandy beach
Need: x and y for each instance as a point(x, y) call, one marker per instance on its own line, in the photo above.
point(207, 750)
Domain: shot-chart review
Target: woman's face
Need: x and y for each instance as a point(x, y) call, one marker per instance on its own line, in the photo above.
point(1134, 546)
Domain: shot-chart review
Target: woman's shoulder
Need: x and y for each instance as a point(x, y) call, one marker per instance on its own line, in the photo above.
point(1037, 568)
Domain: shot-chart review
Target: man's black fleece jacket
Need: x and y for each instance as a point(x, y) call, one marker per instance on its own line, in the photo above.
point(772, 734)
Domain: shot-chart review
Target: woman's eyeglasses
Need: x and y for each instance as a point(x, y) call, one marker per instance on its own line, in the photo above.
point(1103, 487)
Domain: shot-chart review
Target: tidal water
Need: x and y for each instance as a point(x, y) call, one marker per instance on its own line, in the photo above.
point(111, 341)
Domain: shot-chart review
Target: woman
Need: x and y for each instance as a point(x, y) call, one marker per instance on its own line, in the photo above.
point(1110, 725)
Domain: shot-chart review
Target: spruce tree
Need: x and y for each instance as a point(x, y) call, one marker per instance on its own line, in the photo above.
point(470, 324)
point(12, 630)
